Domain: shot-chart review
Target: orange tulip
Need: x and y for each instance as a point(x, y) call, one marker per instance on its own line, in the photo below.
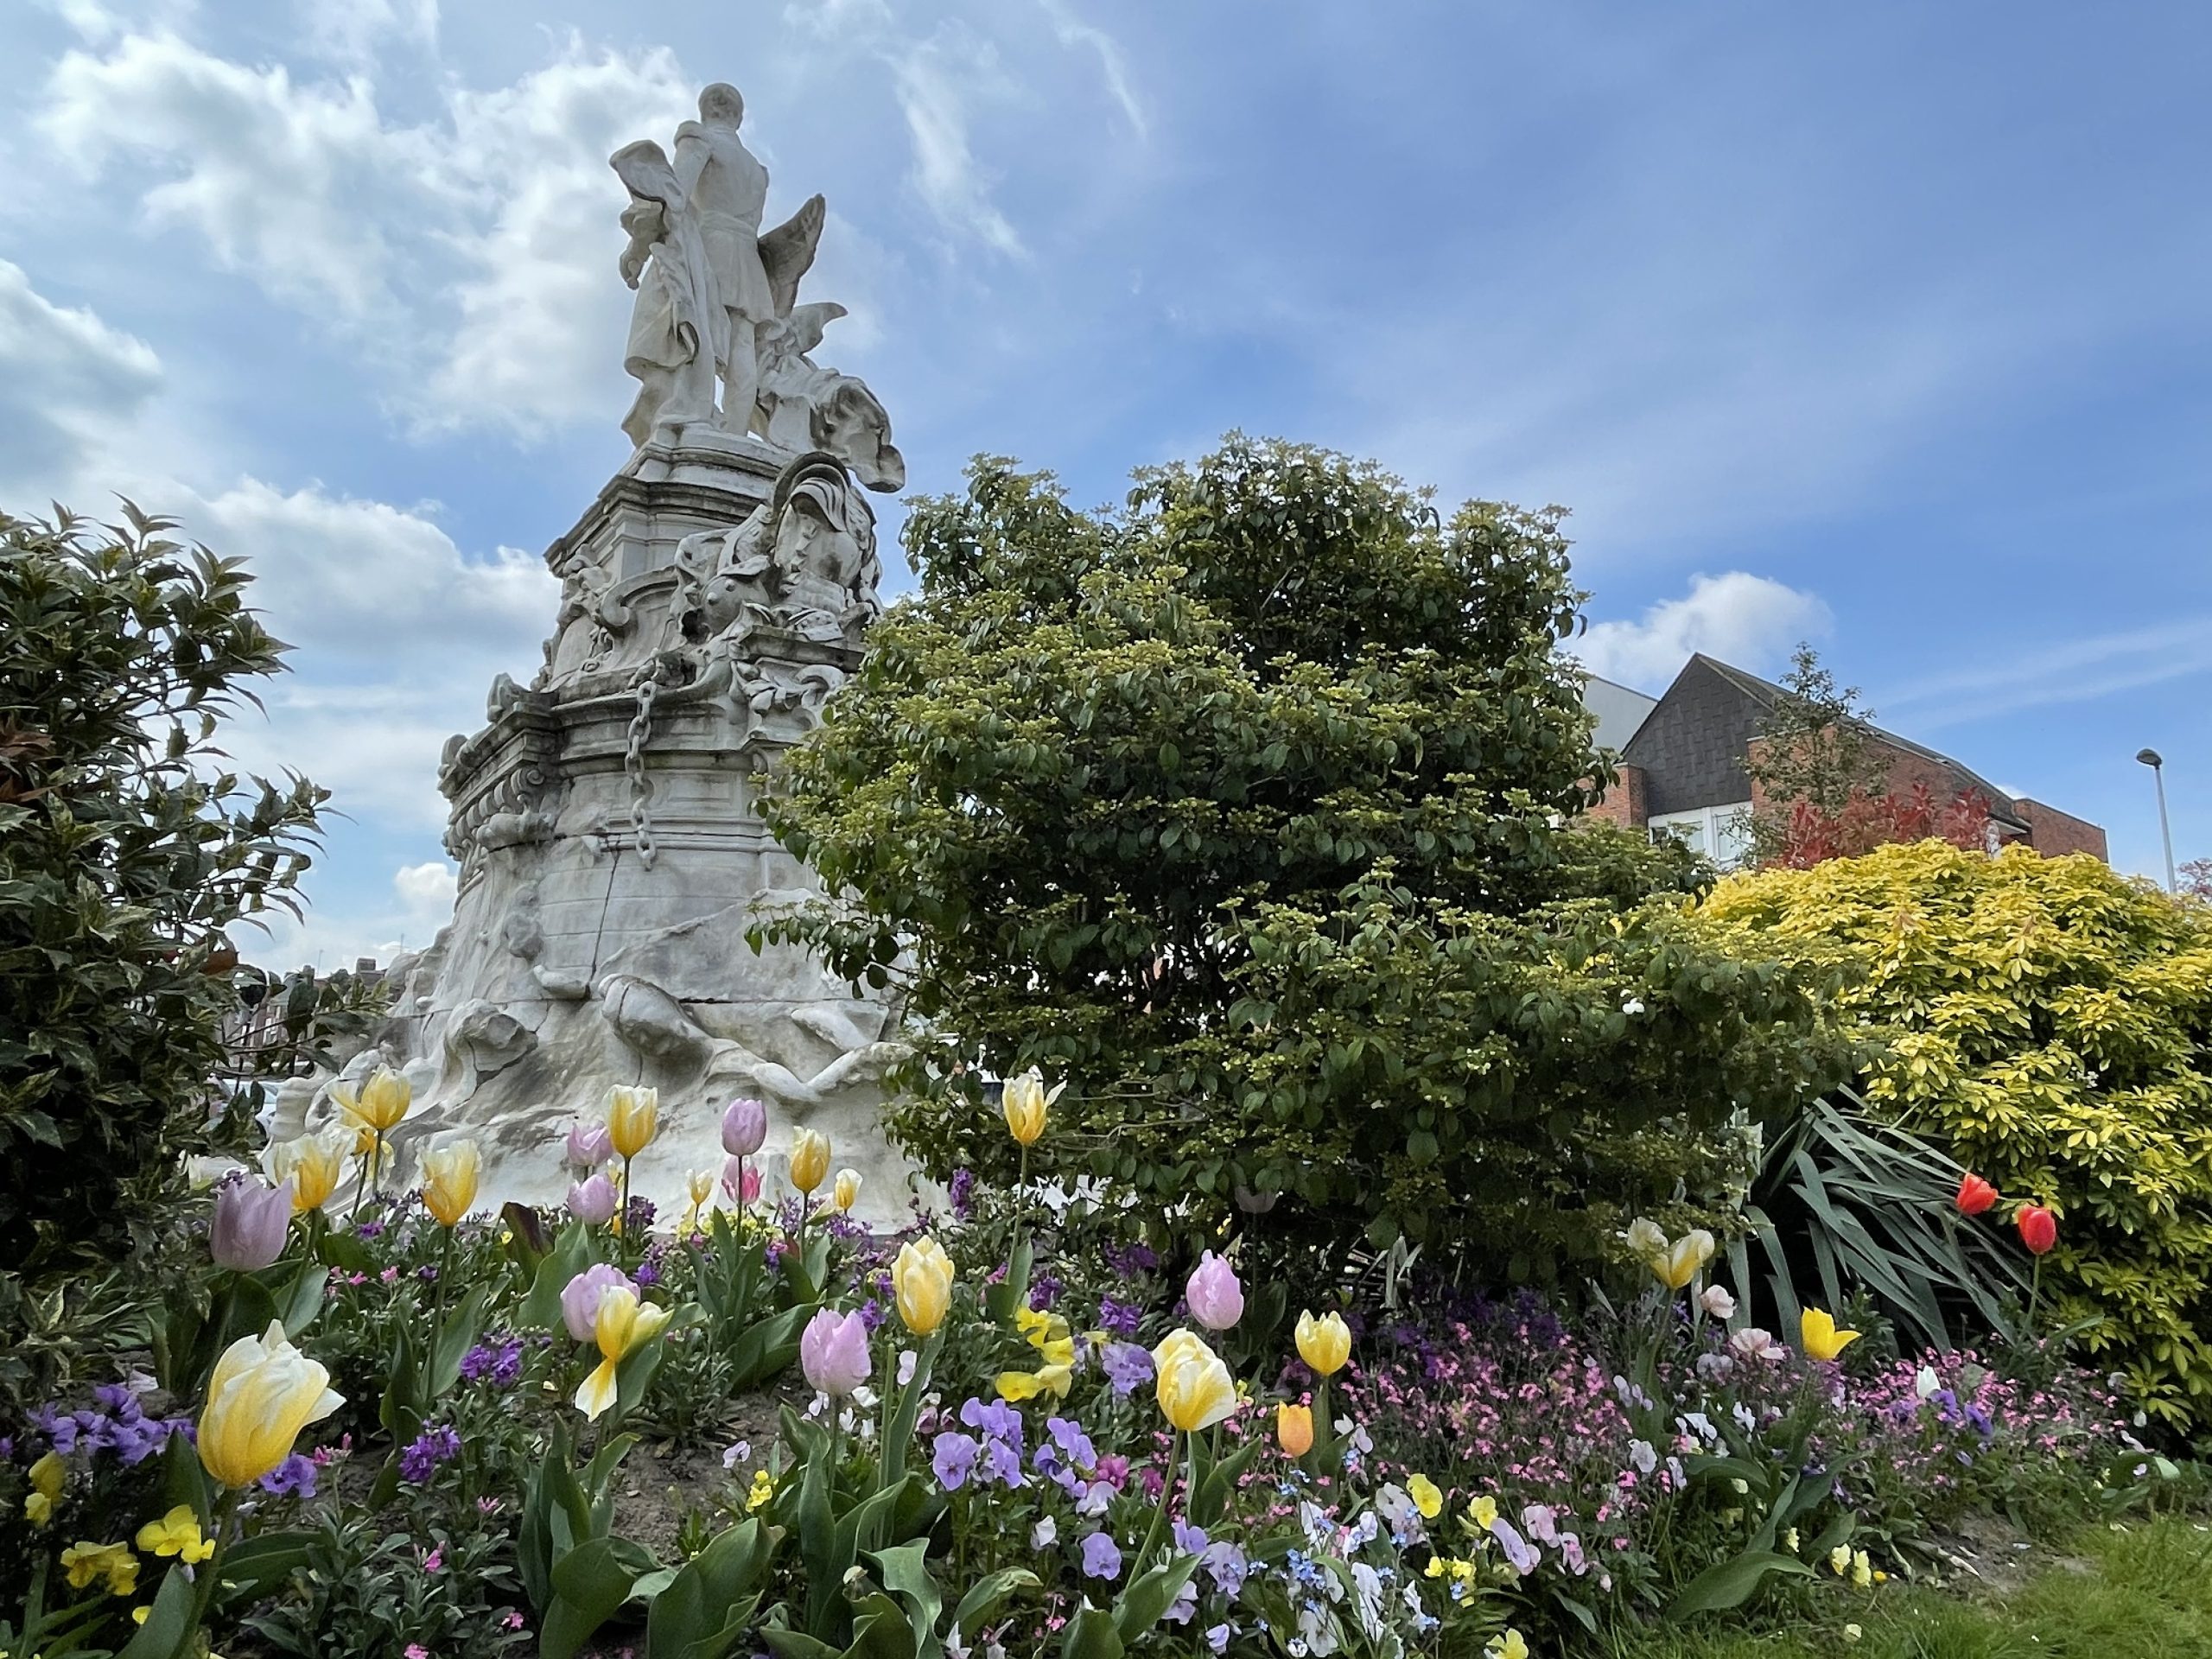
point(1294, 1429)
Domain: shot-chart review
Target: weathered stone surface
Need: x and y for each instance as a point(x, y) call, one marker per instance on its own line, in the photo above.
point(606, 817)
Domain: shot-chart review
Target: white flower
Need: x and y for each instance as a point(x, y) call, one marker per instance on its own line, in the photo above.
point(1717, 1302)
point(907, 1360)
point(1927, 1383)
point(733, 1455)
point(1042, 1534)
point(1633, 1007)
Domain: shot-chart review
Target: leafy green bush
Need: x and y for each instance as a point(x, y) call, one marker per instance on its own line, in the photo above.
point(2049, 1022)
point(1246, 811)
point(125, 850)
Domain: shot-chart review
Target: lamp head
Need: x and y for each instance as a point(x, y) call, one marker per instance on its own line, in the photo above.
point(2151, 758)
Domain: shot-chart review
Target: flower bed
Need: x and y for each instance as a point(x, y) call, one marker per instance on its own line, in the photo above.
point(418, 1431)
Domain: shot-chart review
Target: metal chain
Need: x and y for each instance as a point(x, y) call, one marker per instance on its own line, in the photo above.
point(641, 783)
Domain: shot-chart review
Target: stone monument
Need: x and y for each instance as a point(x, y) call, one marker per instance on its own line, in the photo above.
point(606, 816)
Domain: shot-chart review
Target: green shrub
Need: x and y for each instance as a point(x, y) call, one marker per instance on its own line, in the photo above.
point(2051, 1022)
point(1246, 812)
point(125, 851)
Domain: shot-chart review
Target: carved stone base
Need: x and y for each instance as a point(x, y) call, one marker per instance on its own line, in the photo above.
point(612, 852)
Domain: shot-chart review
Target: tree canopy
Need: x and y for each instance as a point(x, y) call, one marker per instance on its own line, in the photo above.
point(1248, 809)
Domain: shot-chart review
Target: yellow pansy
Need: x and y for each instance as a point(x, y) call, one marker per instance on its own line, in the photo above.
point(1014, 1387)
point(177, 1534)
point(85, 1562)
point(1510, 1645)
point(48, 1475)
point(1482, 1511)
point(1425, 1497)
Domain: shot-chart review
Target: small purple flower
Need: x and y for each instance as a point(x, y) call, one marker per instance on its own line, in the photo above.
point(420, 1459)
point(1130, 1259)
point(1074, 1444)
point(1102, 1557)
point(1128, 1367)
point(953, 1457)
point(1044, 1290)
point(993, 1418)
point(1189, 1538)
point(962, 1191)
point(1005, 1463)
point(1516, 1549)
point(294, 1478)
point(369, 1230)
point(1226, 1566)
point(1119, 1318)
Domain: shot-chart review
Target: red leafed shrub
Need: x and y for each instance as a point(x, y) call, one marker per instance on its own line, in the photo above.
point(1865, 822)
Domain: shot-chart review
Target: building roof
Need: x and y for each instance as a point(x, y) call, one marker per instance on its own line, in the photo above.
point(1619, 709)
point(1766, 693)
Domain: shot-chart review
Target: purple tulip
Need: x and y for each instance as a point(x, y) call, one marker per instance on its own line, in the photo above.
point(744, 1127)
point(251, 1220)
point(833, 1352)
point(591, 1201)
point(589, 1146)
point(580, 1299)
point(1217, 1298)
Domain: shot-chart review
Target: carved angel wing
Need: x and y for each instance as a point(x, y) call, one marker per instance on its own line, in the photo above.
point(787, 251)
point(803, 326)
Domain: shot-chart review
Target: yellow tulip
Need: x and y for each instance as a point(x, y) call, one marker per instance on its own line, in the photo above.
point(261, 1393)
point(623, 1325)
point(810, 1160)
point(449, 1176)
point(1817, 1335)
point(48, 1476)
point(1195, 1389)
point(1645, 1237)
point(379, 1102)
point(1294, 1429)
point(1025, 1101)
point(847, 1190)
point(1680, 1262)
point(312, 1163)
point(632, 1118)
point(921, 1284)
point(177, 1534)
point(1324, 1344)
point(1425, 1497)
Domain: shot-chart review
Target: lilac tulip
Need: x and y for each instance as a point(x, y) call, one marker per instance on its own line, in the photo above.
point(744, 1127)
point(1217, 1298)
point(580, 1299)
point(251, 1220)
point(833, 1352)
point(591, 1201)
point(589, 1146)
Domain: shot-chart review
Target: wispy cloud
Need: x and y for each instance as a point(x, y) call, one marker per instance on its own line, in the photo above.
point(1113, 65)
point(2079, 670)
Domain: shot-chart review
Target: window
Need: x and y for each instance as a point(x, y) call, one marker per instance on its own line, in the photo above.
point(1722, 834)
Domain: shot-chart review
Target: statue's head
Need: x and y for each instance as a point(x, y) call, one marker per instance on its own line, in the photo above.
point(721, 105)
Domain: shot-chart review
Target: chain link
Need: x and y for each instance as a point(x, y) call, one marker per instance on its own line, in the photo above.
point(641, 783)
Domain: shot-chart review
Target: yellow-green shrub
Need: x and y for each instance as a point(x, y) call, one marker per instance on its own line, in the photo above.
point(2052, 1021)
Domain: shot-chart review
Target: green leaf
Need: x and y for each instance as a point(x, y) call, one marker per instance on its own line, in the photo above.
point(589, 1583)
point(572, 1252)
point(1150, 1595)
point(1732, 1582)
point(170, 1630)
point(1091, 1635)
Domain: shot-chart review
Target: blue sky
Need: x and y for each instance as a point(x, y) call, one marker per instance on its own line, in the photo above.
point(1885, 326)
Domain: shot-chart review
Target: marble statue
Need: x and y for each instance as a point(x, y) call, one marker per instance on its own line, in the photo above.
point(606, 818)
point(717, 300)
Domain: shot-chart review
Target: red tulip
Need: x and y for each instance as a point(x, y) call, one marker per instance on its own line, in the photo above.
point(1976, 1195)
point(2038, 1228)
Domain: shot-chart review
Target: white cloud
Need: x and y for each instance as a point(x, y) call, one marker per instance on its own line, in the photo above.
point(936, 81)
point(470, 254)
point(428, 890)
point(1113, 67)
point(64, 374)
point(1747, 621)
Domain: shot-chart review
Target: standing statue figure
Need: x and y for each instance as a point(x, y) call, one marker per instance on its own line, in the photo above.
point(679, 330)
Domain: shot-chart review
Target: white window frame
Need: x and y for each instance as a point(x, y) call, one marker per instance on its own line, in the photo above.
point(1722, 834)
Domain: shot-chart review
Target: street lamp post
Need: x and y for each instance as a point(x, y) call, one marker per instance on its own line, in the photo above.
point(2151, 758)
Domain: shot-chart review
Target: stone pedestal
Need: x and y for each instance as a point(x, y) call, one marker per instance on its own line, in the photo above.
point(613, 854)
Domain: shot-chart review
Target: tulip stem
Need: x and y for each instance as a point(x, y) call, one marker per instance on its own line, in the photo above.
point(438, 1290)
point(622, 1212)
point(2035, 1295)
point(1167, 1496)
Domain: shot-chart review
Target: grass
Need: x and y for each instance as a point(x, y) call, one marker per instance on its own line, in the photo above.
point(2145, 1593)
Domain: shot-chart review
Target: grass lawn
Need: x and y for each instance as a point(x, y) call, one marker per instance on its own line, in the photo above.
point(2142, 1594)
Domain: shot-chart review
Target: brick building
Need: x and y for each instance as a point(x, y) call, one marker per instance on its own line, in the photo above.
point(1682, 769)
